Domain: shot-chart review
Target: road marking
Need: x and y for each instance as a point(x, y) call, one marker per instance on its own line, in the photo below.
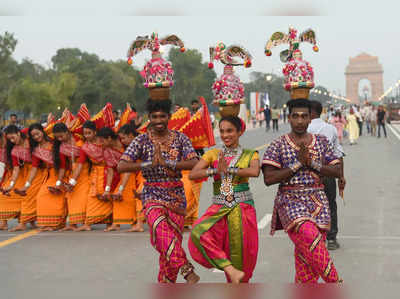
point(394, 131)
point(18, 238)
point(264, 221)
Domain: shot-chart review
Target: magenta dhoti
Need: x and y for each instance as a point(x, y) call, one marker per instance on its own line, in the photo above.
point(312, 259)
point(226, 236)
point(166, 237)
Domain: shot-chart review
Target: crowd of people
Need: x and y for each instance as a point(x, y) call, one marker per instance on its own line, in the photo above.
point(350, 121)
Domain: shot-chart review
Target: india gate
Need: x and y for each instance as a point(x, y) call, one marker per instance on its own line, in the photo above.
point(364, 66)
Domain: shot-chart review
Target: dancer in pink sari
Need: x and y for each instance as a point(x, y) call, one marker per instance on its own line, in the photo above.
point(226, 236)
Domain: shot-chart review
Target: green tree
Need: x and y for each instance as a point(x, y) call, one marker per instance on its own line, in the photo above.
point(274, 87)
point(192, 77)
point(8, 66)
point(37, 98)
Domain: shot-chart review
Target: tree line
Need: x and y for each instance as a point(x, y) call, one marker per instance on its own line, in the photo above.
point(75, 77)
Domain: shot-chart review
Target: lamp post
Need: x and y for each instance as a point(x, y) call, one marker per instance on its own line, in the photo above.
point(268, 78)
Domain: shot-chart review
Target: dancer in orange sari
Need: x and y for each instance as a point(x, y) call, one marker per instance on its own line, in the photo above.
point(127, 207)
point(51, 202)
point(77, 189)
point(19, 156)
point(10, 204)
point(98, 208)
point(3, 158)
point(112, 152)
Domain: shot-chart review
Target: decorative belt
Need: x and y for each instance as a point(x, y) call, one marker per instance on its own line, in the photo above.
point(302, 187)
point(164, 184)
point(238, 197)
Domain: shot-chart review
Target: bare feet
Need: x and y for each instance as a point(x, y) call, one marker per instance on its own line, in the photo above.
point(234, 274)
point(3, 225)
point(19, 227)
point(138, 227)
point(114, 227)
point(84, 227)
point(70, 227)
point(192, 278)
point(47, 229)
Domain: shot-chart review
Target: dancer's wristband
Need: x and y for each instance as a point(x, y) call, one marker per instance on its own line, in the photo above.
point(295, 166)
point(171, 164)
point(121, 188)
point(233, 170)
point(27, 184)
point(12, 183)
point(316, 165)
point(107, 189)
point(211, 171)
point(145, 165)
point(58, 183)
point(72, 182)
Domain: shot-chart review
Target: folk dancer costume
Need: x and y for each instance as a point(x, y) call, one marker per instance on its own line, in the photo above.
point(14, 204)
point(227, 233)
point(51, 207)
point(301, 207)
point(163, 196)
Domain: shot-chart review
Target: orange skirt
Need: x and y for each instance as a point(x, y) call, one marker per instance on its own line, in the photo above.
point(78, 198)
point(51, 209)
point(129, 209)
point(28, 202)
point(97, 211)
point(192, 193)
point(10, 206)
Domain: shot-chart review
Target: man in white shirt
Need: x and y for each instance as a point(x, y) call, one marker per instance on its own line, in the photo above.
point(359, 118)
point(318, 126)
point(364, 114)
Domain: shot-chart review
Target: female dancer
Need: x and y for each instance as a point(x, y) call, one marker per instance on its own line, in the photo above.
point(77, 189)
point(98, 208)
point(226, 236)
point(127, 207)
point(112, 152)
point(51, 203)
point(10, 203)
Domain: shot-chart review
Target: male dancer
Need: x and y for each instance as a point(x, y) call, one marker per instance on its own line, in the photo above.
point(297, 161)
point(164, 153)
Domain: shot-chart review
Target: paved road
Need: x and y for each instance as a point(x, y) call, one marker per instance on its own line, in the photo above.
point(97, 264)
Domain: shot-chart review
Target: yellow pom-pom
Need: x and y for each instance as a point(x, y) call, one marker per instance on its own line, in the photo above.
point(315, 48)
point(130, 61)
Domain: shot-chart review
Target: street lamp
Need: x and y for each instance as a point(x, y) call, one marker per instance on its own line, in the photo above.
point(268, 78)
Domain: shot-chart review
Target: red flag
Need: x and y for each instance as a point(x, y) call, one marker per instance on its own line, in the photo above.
point(124, 117)
point(199, 128)
point(178, 119)
point(143, 128)
point(82, 116)
point(104, 118)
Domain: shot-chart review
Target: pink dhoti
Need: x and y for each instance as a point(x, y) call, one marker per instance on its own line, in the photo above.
point(166, 237)
point(312, 259)
point(226, 236)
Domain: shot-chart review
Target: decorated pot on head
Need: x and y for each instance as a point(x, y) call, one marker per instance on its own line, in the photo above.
point(298, 73)
point(157, 72)
point(228, 90)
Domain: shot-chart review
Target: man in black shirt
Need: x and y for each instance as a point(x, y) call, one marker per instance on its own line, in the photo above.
point(381, 117)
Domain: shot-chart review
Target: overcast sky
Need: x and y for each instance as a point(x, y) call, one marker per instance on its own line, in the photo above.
point(113, 25)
